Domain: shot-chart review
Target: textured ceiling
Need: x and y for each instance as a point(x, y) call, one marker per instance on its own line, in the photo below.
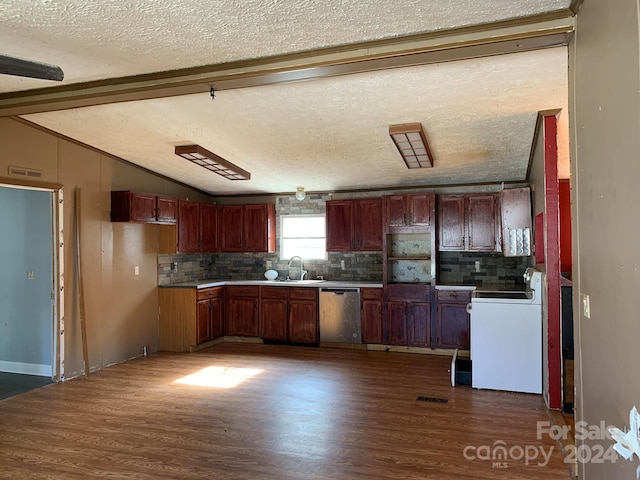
point(324, 134)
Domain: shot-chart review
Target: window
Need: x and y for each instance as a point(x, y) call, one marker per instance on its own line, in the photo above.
point(303, 235)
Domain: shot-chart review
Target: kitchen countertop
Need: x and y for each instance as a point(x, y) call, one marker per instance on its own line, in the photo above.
point(272, 283)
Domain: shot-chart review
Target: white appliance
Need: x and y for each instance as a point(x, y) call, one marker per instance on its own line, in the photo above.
point(506, 337)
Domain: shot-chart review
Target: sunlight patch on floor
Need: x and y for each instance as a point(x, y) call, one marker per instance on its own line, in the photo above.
point(219, 377)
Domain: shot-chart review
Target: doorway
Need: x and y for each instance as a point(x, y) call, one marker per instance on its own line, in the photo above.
point(31, 333)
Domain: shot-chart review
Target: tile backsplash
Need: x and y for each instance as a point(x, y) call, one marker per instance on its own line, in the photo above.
point(495, 269)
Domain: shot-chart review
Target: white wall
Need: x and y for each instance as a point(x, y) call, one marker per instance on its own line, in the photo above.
point(605, 124)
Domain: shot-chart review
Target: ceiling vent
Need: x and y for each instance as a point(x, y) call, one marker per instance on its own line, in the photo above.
point(24, 172)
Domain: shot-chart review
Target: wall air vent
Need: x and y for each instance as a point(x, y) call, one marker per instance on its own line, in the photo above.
point(24, 172)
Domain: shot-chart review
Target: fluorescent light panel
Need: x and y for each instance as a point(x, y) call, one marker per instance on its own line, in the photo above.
point(412, 144)
point(211, 161)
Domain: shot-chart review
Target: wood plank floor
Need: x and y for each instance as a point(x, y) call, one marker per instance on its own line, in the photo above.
point(294, 413)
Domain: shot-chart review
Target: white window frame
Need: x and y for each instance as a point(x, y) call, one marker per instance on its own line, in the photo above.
point(282, 237)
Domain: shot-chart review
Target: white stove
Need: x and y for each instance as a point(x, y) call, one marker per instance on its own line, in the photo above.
point(506, 337)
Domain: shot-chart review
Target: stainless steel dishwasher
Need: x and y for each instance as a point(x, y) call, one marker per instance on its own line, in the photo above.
point(340, 315)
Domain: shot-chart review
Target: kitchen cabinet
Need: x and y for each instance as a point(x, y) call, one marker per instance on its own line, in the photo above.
point(209, 321)
point(408, 212)
point(303, 315)
point(242, 311)
point(515, 210)
point(452, 321)
point(354, 225)
point(274, 307)
point(408, 315)
point(371, 315)
point(189, 317)
point(468, 223)
point(127, 206)
point(289, 314)
point(247, 228)
point(195, 232)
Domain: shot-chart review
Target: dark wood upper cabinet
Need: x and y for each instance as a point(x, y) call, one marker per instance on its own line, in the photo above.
point(259, 228)
point(354, 225)
point(451, 224)
point(208, 228)
point(408, 212)
point(516, 222)
point(468, 223)
point(368, 224)
point(481, 214)
point(188, 227)
point(247, 228)
point(339, 219)
point(127, 206)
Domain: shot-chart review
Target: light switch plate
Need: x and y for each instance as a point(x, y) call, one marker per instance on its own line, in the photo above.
point(136, 270)
point(586, 308)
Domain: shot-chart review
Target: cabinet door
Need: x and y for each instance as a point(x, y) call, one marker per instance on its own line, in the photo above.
point(242, 318)
point(188, 227)
point(394, 210)
point(143, 208)
point(452, 326)
point(231, 233)
point(255, 228)
point(482, 223)
point(217, 317)
point(396, 325)
point(419, 209)
point(451, 222)
point(303, 321)
point(339, 226)
point(273, 324)
point(203, 321)
point(419, 324)
point(371, 321)
point(368, 224)
point(208, 228)
point(166, 210)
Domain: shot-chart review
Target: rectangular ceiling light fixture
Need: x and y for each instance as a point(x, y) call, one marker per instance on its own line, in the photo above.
point(211, 161)
point(412, 144)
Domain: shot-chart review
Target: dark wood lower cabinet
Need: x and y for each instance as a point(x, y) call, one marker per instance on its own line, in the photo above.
point(209, 314)
point(371, 315)
point(242, 311)
point(274, 306)
point(452, 320)
point(408, 315)
point(303, 315)
point(289, 314)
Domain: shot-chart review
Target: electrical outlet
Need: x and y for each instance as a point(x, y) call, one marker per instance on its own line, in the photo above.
point(31, 275)
point(477, 265)
point(342, 266)
point(136, 270)
point(174, 267)
point(269, 265)
point(586, 308)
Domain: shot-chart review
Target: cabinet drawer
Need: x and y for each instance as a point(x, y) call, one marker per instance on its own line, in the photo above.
point(206, 293)
point(409, 292)
point(453, 296)
point(278, 293)
point(371, 293)
point(243, 291)
point(303, 293)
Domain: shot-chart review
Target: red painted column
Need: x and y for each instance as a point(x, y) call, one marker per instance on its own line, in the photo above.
point(552, 260)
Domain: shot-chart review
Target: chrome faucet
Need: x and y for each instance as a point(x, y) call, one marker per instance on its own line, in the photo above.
point(303, 272)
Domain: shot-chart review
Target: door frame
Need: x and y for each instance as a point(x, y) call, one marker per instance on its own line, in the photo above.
point(57, 250)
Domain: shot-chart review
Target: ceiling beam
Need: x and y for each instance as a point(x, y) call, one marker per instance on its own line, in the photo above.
point(529, 33)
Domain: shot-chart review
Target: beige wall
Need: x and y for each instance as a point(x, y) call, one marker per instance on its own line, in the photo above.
point(121, 309)
point(605, 147)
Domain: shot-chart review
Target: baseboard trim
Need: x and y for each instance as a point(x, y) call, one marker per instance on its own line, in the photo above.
point(26, 368)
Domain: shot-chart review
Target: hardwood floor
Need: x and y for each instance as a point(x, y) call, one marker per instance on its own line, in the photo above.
point(295, 413)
